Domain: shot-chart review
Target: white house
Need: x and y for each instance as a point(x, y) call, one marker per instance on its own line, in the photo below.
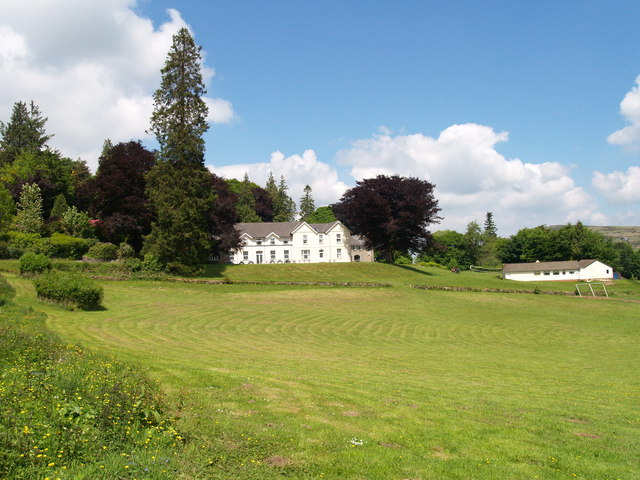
point(293, 242)
point(555, 271)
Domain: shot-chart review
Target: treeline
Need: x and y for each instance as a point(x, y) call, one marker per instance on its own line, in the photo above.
point(569, 242)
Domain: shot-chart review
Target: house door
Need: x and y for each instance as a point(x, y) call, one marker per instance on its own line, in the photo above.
point(259, 257)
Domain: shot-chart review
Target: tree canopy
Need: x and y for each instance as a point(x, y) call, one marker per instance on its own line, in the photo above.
point(307, 205)
point(391, 213)
point(24, 132)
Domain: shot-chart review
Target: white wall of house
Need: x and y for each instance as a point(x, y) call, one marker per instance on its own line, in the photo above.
point(596, 271)
point(305, 245)
point(545, 276)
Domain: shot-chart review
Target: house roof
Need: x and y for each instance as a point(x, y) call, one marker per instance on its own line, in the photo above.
point(281, 229)
point(541, 266)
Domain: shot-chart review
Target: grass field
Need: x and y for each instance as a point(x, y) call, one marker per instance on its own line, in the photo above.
point(379, 383)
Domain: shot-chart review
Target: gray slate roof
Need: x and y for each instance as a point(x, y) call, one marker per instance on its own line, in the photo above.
point(282, 229)
point(541, 266)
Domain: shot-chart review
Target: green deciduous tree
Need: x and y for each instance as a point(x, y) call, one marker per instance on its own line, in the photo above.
point(307, 205)
point(76, 223)
point(7, 207)
point(29, 217)
point(322, 215)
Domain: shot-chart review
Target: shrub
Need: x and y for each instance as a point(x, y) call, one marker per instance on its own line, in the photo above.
point(103, 251)
point(69, 289)
point(34, 263)
point(60, 245)
point(133, 264)
point(433, 264)
point(151, 263)
point(125, 251)
point(182, 270)
point(20, 242)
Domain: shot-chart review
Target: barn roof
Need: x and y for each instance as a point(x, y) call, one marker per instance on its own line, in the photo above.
point(542, 266)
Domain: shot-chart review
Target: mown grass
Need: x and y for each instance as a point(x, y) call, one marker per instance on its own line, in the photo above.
point(397, 383)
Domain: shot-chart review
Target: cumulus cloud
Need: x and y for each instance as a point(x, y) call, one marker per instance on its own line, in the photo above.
point(91, 67)
point(619, 187)
point(630, 109)
point(298, 171)
point(472, 177)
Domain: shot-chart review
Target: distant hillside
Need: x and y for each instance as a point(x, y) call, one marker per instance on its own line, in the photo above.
point(628, 234)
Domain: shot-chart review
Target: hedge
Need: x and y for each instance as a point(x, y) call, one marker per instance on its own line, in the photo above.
point(69, 289)
point(14, 244)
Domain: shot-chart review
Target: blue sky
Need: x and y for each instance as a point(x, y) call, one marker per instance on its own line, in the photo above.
point(508, 106)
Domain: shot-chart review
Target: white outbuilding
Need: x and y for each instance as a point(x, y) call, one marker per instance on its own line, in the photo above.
point(586, 270)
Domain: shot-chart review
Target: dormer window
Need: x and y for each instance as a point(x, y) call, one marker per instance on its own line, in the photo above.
point(258, 242)
point(272, 241)
point(338, 237)
point(320, 238)
point(305, 239)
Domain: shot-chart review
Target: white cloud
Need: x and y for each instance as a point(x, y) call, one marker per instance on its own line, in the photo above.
point(298, 171)
point(472, 178)
point(91, 67)
point(630, 109)
point(619, 187)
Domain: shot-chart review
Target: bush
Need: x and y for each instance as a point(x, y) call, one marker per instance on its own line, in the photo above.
point(151, 263)
point(181, 270)
point(34, 263)
point(103, 251)
point(60, 245)
point(125, 251)
point(69, 289)
point(133, 264)
point(433, 264)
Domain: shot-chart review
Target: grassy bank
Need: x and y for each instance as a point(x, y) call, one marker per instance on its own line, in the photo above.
point(358, 383)
point(66, 412)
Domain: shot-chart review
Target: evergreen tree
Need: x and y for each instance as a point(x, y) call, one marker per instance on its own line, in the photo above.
point(246, 206)
point(307, 205)
point(24, 132)
point(179, 117)
point(29, 217)
point(60, 206)
point(490, 230)
point(284, 208)
point(178, 186)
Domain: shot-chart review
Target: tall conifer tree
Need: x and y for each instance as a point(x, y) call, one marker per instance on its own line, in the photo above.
point(307, 205)
point(179, 185)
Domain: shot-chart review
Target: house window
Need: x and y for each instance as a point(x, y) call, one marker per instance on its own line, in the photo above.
point(321, 253)
point(286, 254)
point(304, 239)
point(305, 254)
point(338, 237)
point(536, 273)
point(338, 253)
point(259, 256)
point(272, 241)
point(547, 273)
point(245, 256)
point(607, 271)
point(285, 241)
point(272, 255)
point(321, 239)
point(556, 273)
point(258, 242)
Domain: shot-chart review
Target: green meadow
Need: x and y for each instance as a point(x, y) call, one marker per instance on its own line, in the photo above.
point(391, 382)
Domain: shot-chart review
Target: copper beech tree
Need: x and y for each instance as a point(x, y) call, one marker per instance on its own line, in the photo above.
point(392, 213)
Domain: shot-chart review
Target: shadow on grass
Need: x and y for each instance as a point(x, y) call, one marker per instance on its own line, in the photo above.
point(412, 269)
point(213, 270)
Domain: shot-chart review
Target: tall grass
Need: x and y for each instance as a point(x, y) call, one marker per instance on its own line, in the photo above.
point(67, 412)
